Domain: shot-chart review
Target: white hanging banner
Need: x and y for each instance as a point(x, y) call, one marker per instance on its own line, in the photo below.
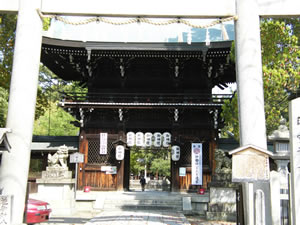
point(196, 163)
point(103, 143)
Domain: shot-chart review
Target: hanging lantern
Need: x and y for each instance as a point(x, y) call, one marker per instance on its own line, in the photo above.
point(120, 151)
point(148, 139)
point(139, 139)
point(166, 139)
point(130, 139)
point(157, 139)
point(175, 152)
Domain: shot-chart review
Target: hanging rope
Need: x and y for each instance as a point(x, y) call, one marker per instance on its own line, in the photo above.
point(137, 20)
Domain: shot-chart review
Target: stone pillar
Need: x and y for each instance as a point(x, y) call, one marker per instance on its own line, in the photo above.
point(275, 197)
point(249, 75)
point(21, 109)
point(260, 217)
point(249, 84)
point(294, 111)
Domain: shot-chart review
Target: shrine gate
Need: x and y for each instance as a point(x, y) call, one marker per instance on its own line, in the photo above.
point(14, 168)
point(142, 87)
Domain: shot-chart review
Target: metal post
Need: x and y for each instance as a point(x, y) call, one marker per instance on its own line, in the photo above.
point(76, 167)
point(21, 108)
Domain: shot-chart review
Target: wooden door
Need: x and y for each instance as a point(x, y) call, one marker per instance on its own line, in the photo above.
point(96, 171)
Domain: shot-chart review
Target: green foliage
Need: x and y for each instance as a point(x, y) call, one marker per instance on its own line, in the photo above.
point(161, 166)
point(7, 39)
point(156, 160)
point(3, 106)
point(230, 116)
point(281, 73)
point(55, 122)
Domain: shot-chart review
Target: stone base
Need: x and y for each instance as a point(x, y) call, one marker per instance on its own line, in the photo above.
point(58, 192)
point(222, 205)
point(56, 173)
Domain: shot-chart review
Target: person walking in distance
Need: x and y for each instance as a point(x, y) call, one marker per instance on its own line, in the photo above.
point(143, 182)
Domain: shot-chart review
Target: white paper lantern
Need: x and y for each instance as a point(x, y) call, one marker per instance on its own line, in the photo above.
point(166, 139)
point(120, 152)
point(157, 139)
point(175, 153)
point(130, 139)
point(139, 139)
point(148, 139)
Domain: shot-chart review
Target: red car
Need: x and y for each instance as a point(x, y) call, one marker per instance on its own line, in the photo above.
point(37, 211)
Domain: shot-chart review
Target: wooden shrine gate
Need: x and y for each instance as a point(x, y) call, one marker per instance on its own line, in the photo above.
point(153, 88)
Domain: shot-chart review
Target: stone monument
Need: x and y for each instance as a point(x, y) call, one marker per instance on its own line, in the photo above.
point(222, 205)
point(56, 185)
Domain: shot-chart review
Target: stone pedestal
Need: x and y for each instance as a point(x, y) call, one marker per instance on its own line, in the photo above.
point(57, 188)
point(222, 204)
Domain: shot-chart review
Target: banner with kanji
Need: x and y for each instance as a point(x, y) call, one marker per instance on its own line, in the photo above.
point(103, 143)
point(196, 163)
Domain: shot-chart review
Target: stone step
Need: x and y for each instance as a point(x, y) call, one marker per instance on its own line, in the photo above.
point(222, 216)
point(145, 207)
point(145, 202)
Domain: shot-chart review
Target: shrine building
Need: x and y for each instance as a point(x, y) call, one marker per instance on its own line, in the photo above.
point(152, 95)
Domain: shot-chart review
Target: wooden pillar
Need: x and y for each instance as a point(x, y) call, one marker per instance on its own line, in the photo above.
point(174, 176)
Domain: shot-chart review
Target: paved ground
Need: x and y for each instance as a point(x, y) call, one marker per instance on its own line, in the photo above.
point(125, 217)
point(133, 218)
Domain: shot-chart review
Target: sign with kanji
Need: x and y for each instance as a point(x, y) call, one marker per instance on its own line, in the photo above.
point(77, 157)
point(250, 164)
point(103, 143)
point(196, 163)
point(5, 209)
point(294, 118)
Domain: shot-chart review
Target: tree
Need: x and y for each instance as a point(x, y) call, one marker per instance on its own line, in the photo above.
point(7, 40)
point(55, 122)
point(49, 85)
point(281, 74)
point(3, 106)
point(156, 161)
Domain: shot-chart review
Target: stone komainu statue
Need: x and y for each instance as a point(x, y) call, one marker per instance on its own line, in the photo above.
point(59, 159)
point(223, 163)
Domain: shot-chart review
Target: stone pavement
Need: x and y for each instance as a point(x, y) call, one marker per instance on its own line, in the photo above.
point(129, 218)
point(138, 218)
